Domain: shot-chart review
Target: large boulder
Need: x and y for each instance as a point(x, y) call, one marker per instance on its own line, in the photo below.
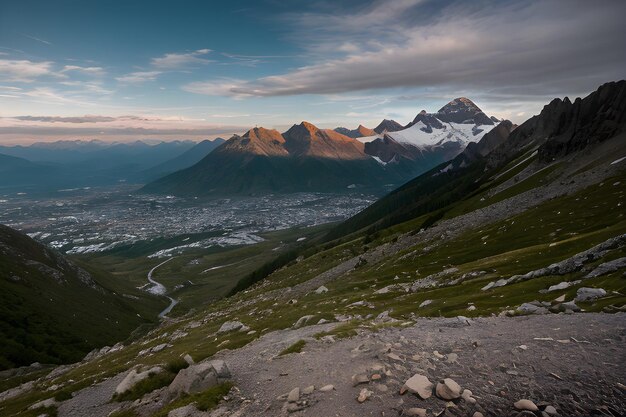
point(589, 294)
point(134, 377)
point(200, 377)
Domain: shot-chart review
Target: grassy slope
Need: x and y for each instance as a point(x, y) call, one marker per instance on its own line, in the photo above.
point(42, 320)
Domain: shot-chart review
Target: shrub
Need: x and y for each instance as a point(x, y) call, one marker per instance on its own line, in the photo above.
point(176, 365)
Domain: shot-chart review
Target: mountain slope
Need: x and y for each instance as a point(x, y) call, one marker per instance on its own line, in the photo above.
point(304, 158)
point(359, 132)
point(54, 311)
point(388, 126)
point(184, 160)
point(431, 138)
point(561, 126)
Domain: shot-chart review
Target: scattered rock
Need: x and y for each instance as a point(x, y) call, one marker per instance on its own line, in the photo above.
point(308, 390)
point(425, 303)
point(230, 326)
point(528, 308)
point(562, 285)
point(416, 412)
point(188, 359)
point(364, 395)
point(294, 395)
point(50, 402)
point(360, 379)
point(478, 414)
point(327, 388)
point(467, 396)
point(448, 389)
point(560, 299)
point(321, 290)
point(302, 321)
point(419, 385)
point(588, 294)
point(607, 268)
point(550, 410)
point(199, 377)
point(452, 357)
point(525, 405)
point(134, 377)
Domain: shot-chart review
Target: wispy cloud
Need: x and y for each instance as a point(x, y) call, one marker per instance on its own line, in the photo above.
point(23, 70)
point(532, 48)
point(139, 77)
point(95, 71)
point(37, 39)
point(173, 61)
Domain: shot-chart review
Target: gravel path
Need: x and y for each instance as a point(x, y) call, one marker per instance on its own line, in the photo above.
point(573, 362)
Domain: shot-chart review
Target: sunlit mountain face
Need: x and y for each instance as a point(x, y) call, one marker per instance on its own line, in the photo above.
point(312, 208)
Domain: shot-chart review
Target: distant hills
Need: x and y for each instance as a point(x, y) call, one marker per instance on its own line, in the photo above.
point(65, 164)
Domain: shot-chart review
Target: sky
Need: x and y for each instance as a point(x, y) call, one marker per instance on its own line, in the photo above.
point(126, 70)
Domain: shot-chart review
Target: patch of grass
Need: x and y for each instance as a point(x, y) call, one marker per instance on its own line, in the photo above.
point(153, 382)
point(176, 365)
point(295, 348)
point(342, 331)
point(204, 401)
point(63, 395)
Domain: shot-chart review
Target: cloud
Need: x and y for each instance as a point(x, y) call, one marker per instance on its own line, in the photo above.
point(139, 77)
point(59, 119)
point(23, 70)
point(219, 87)
point(95, 71)
point(508, 49)
point(181, 60)
point(37, 39)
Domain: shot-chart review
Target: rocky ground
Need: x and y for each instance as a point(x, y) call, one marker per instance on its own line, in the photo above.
point(570, 362)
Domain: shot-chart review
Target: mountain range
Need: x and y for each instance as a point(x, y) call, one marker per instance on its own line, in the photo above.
point(306, 158)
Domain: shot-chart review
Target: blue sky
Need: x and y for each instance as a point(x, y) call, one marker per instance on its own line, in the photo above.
point(120, 70)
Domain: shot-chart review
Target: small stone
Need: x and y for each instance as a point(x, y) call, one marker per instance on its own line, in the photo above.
point(560, 299)
point(327, 388)
point(360, 379)
point(525, 405)
point(425, 303)
point(230, 326)
point(478, 414)
point(416, 412)
point(321, 290)
point(376, 377)
point(364, 395)
point(523, 347)
point(294, 395)
point(188, 359)
point(420, 385)
point(452, 357)
point(438, 355)
point(550, 410)
point(448, 389)
point(467, 396)
point(308, 390)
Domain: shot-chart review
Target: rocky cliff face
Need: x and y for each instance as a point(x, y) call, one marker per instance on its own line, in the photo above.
point(564, 127)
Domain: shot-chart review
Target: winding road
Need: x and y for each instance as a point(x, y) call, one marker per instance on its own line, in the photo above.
point(159, 289)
